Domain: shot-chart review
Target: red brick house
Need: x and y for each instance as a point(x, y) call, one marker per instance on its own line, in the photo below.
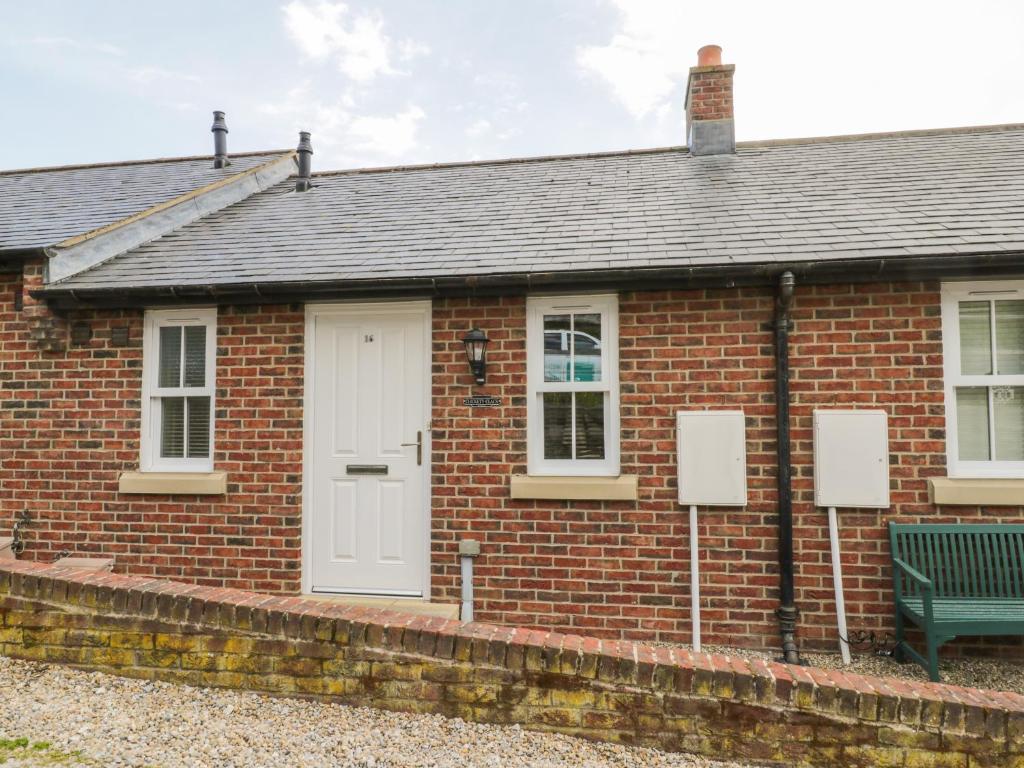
point(257, 381)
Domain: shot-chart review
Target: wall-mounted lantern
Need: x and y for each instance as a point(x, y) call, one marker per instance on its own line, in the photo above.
point(476, 352)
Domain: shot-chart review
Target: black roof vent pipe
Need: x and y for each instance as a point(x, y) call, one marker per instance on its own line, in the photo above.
point(220, 141)
point(305, 161)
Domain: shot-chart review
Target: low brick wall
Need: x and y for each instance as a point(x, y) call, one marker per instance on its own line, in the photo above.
point(609, 690)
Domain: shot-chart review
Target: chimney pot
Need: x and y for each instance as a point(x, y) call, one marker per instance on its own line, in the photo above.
point(220, 141)
point(709, 56)
point(305, 161)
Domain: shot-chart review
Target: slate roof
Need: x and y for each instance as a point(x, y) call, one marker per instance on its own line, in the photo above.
point(40, 207)
point(938, 192)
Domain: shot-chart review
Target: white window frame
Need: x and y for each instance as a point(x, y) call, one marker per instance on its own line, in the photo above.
point(536, 308)
point(952, 294)
point(156, 319)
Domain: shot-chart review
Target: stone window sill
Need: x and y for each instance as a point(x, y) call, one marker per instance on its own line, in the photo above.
point(170, 483)
point(621, 488)
point(962, 491)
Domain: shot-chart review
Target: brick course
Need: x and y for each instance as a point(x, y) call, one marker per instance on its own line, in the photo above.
point(607, 690)
point(69, 425)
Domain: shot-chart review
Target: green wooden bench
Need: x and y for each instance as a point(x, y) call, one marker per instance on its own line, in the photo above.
point(952, 580)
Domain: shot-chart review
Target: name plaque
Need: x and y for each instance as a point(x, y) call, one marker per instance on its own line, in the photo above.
point(482, 401)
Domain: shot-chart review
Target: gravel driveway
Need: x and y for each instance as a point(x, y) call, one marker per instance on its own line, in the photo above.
point(52, 715)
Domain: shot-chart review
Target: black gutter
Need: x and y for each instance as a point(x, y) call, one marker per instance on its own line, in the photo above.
point(731, 275)
point(786, 612)
point(13, 259)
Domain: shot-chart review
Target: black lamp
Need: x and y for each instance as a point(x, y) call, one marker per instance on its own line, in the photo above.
point(476, 352)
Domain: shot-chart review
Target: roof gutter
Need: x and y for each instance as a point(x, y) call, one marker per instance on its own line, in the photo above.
point(12, 259)
point(729, 276)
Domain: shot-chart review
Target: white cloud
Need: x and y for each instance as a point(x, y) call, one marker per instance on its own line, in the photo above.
point(644, 60)
point(410, 49)
point(81, 45)
point(356, 41)
point(340, 135)
point(148, 75)
point(479, 128)
point(392, 136)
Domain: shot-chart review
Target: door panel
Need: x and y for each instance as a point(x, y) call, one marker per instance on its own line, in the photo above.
point(344, 404)
point(343, 520)
point(368, 495)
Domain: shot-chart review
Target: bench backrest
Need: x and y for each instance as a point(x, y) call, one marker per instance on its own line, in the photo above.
point(962, 560)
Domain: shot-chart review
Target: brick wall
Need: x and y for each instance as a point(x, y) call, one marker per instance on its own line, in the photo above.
point(622, 569)
point(606, 690)
point(710, 93)
point(69, 425)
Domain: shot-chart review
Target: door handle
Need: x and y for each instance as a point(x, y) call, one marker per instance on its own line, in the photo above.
point(419, 448)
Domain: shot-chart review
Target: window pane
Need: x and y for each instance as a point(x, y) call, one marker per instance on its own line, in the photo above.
point(589, 425)
point(172, 427)
point(170, 356)
point(195, 355)
point(1008, 418)
point(587, 346)
point(972, 423)
point(1009, 337)
point(557, 330)
point(557, 425)
point(975, 338)
point(198, 427)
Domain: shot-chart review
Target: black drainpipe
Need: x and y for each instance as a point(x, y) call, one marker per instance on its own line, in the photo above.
point(787, 602)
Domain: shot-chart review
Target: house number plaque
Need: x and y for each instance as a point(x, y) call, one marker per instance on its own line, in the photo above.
point(482, 401)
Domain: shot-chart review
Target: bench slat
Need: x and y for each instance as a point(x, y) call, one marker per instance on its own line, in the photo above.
point(962, 562)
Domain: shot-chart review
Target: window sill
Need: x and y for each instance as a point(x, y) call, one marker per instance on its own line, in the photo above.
point(190, 483)
point(961, 491)
point(621, 488)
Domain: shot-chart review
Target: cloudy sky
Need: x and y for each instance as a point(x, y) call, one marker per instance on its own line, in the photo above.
point(386, 82)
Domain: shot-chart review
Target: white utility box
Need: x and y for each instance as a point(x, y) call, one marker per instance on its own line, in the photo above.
point(851, 458)
point(712, 454)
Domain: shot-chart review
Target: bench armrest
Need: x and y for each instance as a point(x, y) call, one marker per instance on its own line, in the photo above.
point(927, 588)
point(914, 575)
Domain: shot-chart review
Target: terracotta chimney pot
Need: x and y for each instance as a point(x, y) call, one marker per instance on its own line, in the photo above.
point(709, 56)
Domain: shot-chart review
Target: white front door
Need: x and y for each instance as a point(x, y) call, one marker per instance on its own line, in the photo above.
point(367, 441)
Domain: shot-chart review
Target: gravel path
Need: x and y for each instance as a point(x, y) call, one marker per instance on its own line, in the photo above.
point(996, 674)
point(52, 715)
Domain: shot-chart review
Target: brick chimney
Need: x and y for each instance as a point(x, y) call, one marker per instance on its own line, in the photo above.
point(710, 128)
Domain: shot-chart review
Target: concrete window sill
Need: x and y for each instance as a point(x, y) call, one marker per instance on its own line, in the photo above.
point(990, 492)
point(621, 488)
point(170, 483)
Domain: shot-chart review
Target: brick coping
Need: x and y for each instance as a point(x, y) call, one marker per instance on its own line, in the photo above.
point(669, 670)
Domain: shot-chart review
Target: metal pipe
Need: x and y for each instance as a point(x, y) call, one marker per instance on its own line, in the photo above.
point(220, 141)
point(694, 580)
point(304, 158)
point(17, 539)
point(467, 588)
point(468, 550)
point(786, 612)
point(837, 579)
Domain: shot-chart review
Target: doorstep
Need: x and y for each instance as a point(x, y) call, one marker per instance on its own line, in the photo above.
point(401, 604)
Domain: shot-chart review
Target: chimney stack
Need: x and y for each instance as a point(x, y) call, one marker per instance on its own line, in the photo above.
point(710, 128)
point(220, 141)
point(305, 161)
